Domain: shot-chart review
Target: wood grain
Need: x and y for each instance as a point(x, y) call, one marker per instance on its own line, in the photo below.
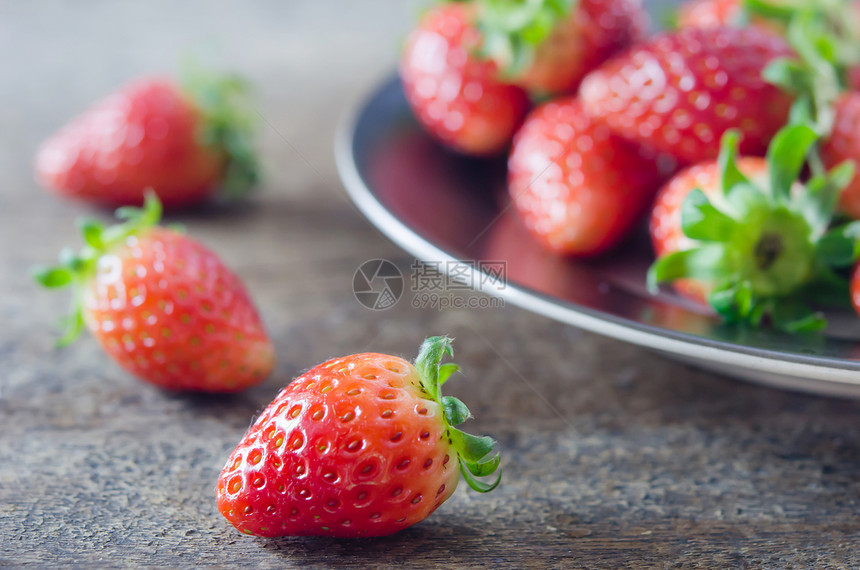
point(614, 457)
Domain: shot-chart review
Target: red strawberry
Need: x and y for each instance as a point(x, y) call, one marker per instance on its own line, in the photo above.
point(548, 46)
point(667, 236)
point(682, 91)
point(153, 134)
point(163, 306)
point(752, 239)
point(453, 93)
point(362, 445)
point(579, 188)
point(844, 144)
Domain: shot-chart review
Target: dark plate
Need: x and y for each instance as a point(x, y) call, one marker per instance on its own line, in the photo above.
point(444, 208)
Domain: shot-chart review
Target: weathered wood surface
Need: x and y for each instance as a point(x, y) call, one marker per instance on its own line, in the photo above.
point(614, 457)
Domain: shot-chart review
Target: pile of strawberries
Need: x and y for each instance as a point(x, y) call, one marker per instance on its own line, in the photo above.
point(737, 131)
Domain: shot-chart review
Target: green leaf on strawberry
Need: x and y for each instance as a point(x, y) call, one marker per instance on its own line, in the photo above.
point(764, 248)
point(471, 449)
point(827, 44)
point(513, 29)
point(362, 445)
point(229, 123)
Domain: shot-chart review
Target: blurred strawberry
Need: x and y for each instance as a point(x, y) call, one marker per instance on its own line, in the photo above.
point(184, 142)
point(456, 95)
point(547, 46)
point(579, 188)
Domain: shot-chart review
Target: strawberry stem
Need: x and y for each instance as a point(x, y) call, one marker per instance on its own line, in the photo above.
point(473, 452)
point(511, 30)
point(827, 44)
point(77, 269)
point(760, 249)
point(229, 124)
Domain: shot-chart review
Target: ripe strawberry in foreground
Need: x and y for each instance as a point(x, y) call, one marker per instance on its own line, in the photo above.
point(680, 92)
point(163, 306)
point(362, 445)
point(455, 95)
point(184, 142)
point(760, 249)
point(578, 188)
point(547, 46)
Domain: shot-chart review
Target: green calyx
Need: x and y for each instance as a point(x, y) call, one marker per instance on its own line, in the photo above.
point(474, 453)
point(229, 125)
point(511, 30)
point(825, 38)
point(77, 269)
point(767, 252)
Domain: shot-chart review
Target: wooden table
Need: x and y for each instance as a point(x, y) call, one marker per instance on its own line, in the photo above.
point(614, 457)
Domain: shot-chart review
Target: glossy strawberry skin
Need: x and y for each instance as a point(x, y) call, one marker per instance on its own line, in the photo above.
point(578, 188)
point(665, 222)
point(844, 144)
point(351, 448)
point(681, 91)
point(453, 94)
point(145, 135)
point(169, 311)
point(595, 30)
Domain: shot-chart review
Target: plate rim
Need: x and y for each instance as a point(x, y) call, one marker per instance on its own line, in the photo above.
point(716, 352)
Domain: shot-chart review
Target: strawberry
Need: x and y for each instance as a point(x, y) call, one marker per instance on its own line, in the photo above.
point(578, 188)
point(454, 94)
point(183, 142)
point(681, 91)
point(755, 241)
point(163, 306)
point(844, 144)
point(362, 445)
point(547, 46)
